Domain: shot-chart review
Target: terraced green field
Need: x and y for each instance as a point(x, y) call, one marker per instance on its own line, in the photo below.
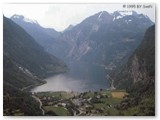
point(60, 111)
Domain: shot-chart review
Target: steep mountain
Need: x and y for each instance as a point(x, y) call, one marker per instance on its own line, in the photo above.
point(43, 36)
point(138, 77)
point(68, 28)
point(22, 49)
point(104, 39)
point(19, 103)
point(25, 64)
point(141, 65)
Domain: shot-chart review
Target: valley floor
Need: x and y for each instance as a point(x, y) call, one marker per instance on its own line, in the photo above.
point(99, 103)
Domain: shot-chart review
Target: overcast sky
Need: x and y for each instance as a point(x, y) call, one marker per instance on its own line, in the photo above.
point(60, 16)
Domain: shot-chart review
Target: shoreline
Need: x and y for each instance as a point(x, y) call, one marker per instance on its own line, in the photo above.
point(109, 89)
point(28, 88)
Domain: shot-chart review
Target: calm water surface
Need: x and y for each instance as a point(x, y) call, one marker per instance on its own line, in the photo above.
point(80, 78)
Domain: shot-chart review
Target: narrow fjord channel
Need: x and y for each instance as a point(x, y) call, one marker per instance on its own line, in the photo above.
point(81, 77)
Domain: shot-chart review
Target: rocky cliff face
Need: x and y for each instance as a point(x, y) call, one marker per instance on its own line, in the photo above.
point(140, 67)
point(137, 76)
point(136, 73)
point(103, 39)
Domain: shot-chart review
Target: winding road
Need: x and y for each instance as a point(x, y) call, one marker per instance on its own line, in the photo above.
point(40, 104)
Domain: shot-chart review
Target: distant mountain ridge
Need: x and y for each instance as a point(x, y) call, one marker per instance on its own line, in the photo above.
point(43, 36)
point(104, 38)
point(21, 17)
point(25, 57)
point(69, 28)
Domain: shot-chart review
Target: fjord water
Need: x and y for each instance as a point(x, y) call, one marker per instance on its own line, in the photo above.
point(81, 77)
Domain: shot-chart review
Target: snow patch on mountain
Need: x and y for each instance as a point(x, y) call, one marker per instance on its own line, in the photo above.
point(21, 17)
point(125, 13)
point(117, 17)
point(100, 14)
point(127, 21)
point(16, 16)
point(120, 14)
point(30, 21)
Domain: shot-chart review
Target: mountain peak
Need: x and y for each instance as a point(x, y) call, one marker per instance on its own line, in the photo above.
point(15, 16)
point(22, 18)
point(102, 14)
point(121, 14)
point(125, 13)
point(116, 13)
